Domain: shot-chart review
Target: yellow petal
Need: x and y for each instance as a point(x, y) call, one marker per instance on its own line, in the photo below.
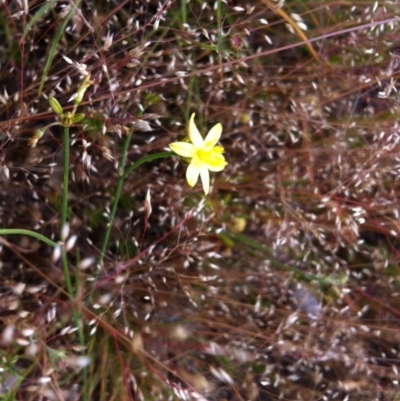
point(205, 179)
point(183, 149)
point(214, 161)
point(212, 137)
point(193, 171)
point(218, 149)
point(218, 167)
point(194, 134)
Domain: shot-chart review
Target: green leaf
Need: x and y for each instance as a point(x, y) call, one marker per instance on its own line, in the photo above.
point(146, 159)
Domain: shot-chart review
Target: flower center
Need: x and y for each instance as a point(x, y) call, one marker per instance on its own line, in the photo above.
point(202, 154)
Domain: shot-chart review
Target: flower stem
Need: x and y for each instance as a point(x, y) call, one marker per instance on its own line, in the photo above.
point(64, 260)
point(122, 176)
point(64, 210)
point(117, 195)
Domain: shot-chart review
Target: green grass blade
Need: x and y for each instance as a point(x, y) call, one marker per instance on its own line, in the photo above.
point(54, 45)
point(21, 231)
point(38, 16)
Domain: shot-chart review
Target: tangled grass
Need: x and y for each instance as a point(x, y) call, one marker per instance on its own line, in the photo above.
point(282, 284)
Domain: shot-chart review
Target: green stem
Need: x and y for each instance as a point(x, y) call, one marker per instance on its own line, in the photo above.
point(122, 176)
point(183, 12)
point(64, 202)
point(64, 210)
point(118, 191)
point(64, 259)
point(219, 19)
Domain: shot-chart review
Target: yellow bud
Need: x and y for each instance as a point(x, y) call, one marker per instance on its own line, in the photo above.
point(55, 106)
point(37, 134)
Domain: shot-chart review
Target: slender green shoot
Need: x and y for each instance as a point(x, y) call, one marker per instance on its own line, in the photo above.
point(54, 44)
point(33, 234)
point(37, 17)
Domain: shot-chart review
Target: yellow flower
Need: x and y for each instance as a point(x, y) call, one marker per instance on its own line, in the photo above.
point(204, 155)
